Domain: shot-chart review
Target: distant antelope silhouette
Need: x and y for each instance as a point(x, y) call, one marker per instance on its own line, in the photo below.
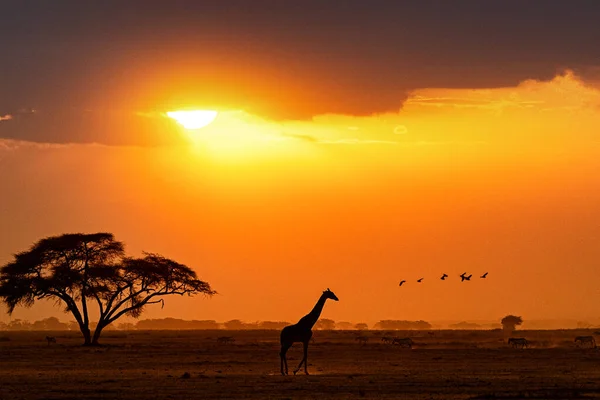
point(362, 340)
point(403, 342)
point(50, 339)
point(401, 283)
point(585, 340)
point(444, 277)
point(518, 343)
point(225, 340)
point(302, 332)
point(484, 276)
point(387, 339)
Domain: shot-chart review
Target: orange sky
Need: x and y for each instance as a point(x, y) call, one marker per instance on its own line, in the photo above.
point(271, 212)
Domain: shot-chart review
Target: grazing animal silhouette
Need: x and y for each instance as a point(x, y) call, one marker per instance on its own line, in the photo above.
point(520, 343)
point(302, 332)
point(225, 340)
point(387, 339)
point(420, 280)
point(585, 340)
point(444, 277)
point(362, 340)
point(403, 342)
point(401, 283)
point(484, 276)
point(50, 339)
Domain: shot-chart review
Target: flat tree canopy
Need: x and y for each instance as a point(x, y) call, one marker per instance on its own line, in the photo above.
point(80, 271)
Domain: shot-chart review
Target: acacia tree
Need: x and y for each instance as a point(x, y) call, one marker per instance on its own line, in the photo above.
point(80, 271)
point(510, 322)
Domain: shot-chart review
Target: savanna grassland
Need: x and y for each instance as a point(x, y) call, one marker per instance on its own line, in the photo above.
point(193, 365)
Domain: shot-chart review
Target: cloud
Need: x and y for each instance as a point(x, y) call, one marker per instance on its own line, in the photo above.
point(436, 115)
point(355, 141)
point(565, 91)
point(307, 138)
point(86, 126)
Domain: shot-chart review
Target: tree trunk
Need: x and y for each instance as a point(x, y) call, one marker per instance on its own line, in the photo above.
point(87, 335)
point(97, 333)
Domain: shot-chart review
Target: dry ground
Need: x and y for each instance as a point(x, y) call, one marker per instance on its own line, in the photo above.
point(151, 365)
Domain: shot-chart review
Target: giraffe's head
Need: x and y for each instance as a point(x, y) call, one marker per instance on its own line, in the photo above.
point(330, 295)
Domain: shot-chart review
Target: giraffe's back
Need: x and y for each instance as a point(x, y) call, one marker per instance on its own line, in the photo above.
point(294, 333)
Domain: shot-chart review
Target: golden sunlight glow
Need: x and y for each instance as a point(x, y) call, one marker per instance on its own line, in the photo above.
point(195, 119)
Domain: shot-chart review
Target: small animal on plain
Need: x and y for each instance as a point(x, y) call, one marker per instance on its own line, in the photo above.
point(225, 340)
point(401, 283)
point(387, 339)
point(518, 343)
point(444, 277)
point(582, 341)
point(50, 339)
point(403, 342)
point(362, 340)
point(431, 333)
point(484, 276)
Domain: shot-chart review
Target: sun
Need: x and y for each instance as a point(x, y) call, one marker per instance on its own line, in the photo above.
point(193, 119)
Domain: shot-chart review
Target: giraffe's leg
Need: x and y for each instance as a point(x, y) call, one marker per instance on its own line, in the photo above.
point(282, 354)
point(303, 360)
point(306, 358)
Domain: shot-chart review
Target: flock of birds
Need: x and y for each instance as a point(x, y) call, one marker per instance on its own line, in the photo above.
point(463, 277)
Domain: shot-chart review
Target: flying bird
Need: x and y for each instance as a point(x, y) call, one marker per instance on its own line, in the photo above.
point(468, 278)
point(444, 277)
point(464, 277)
point(419, 280)
point(484, 276)
point(401, 283)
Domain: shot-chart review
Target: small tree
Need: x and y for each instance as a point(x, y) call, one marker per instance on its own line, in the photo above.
point(77, 270)
point(325, 324)
point(361, 326)
point(510, 323)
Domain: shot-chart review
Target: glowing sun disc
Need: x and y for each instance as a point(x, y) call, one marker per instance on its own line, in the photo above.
point(193, 119)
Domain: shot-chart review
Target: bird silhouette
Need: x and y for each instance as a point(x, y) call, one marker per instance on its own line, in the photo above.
point(468, 278)
point(444, 277)
point(419, 280)
point(484, 276)
point(401, 283)
point(462, 276)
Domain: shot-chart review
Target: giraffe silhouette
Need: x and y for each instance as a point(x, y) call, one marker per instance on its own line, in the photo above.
point(302, 332)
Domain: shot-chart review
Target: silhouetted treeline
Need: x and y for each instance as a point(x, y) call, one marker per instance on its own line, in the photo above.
point(392, 324)
point(54, 324)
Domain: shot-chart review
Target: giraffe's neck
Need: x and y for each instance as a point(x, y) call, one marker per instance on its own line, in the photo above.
point(312, 317)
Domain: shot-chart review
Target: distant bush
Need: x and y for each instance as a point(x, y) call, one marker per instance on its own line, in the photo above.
point(392, 324)
point(176, 324)
point(344, 325)
point(465, 325)
point(325, 324)
point(361, 326)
